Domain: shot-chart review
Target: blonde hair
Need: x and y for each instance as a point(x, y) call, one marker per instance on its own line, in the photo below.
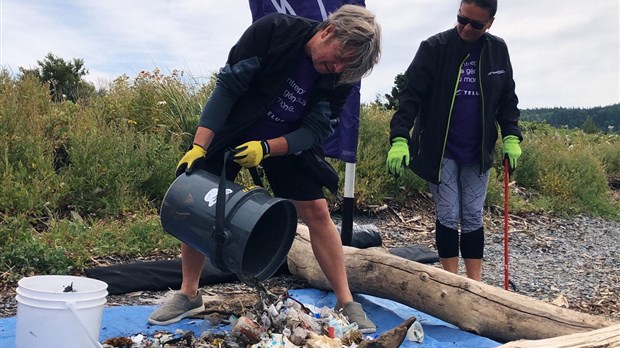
point(360, 36)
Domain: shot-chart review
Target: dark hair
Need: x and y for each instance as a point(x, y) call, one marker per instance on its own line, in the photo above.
point(489, 5)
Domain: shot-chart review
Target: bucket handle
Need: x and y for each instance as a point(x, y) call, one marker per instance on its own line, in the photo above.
point(220, 234)
point(71, 306)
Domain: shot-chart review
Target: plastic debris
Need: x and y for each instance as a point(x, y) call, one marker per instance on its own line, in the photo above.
point(275, 321)
point(316, 341)
point(415, 333)
point(275, 341)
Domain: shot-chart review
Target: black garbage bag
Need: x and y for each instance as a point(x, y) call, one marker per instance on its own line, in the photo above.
point(418, 253)
point(364, 236)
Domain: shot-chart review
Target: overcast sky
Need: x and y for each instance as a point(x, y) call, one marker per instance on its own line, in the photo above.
point(564, 53)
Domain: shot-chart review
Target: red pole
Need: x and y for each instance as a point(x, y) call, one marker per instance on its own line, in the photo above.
point(506, 179)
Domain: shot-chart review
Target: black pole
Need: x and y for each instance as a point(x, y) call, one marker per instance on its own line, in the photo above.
point(346, 230)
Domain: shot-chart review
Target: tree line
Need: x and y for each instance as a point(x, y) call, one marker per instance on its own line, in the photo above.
point(590, 120)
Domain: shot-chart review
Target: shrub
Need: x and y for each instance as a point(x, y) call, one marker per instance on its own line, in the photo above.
point(24, 253)
point(373, 184)
point(154, 102)
point(27, 180)
point(608, 151)
point(563, 168)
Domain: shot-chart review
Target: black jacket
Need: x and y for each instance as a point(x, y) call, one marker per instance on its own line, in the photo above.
point(255, 72)
point(426, 102)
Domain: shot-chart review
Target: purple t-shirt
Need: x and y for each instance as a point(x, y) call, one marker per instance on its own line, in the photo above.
point(465, 132)
point(286, 112)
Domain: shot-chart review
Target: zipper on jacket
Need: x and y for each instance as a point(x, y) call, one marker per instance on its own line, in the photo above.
point(483, 110)
point(445, 138)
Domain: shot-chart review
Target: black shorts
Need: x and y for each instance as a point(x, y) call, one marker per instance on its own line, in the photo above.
point(288, 175)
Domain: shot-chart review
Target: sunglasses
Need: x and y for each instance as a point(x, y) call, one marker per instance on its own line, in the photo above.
point(474, 24)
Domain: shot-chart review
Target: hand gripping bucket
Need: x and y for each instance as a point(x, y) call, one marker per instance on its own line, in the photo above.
point(56, 311)
point(242, 230)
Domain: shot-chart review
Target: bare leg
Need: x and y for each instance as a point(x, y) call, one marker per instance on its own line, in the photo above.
point(326, 245)
point(450, 264)
point(473, 267)
point(186, 301)
point(192, 263)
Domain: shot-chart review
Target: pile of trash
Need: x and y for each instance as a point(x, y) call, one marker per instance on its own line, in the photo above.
point(289, 323)
point(275, 321)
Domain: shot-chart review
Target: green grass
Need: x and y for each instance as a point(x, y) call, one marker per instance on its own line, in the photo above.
point(85, 180)
point(72, 243)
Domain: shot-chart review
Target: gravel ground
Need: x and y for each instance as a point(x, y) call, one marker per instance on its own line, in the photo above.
point(572, 262)
point(569, 262)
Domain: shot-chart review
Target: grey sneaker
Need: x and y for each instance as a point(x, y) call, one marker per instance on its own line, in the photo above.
point(178, 307)
point(355, 314)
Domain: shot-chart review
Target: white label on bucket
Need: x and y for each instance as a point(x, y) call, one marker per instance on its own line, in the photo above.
point(211, 196)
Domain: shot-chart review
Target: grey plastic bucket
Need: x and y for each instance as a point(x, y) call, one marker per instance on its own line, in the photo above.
point(258, 229)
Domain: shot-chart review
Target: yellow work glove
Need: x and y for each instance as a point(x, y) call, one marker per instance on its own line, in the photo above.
point(250, 154)
point(511, 150)
point(192, 158)
point(398, 156)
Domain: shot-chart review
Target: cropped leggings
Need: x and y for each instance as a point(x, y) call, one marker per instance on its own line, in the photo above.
point(459, 202)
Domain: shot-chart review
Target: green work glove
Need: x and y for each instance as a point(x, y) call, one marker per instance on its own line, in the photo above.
point(250, 154)
point(398, 156)
point(191, 159)
point(511, 150)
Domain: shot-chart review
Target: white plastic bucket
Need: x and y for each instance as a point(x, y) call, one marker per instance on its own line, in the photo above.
point(47, 316)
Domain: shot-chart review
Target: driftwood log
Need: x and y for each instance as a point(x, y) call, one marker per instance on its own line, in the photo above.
point(390, 339)
point(608, 337)
point(472, 306)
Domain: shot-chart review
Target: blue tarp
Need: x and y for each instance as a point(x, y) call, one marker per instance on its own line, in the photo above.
point(131, 320)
